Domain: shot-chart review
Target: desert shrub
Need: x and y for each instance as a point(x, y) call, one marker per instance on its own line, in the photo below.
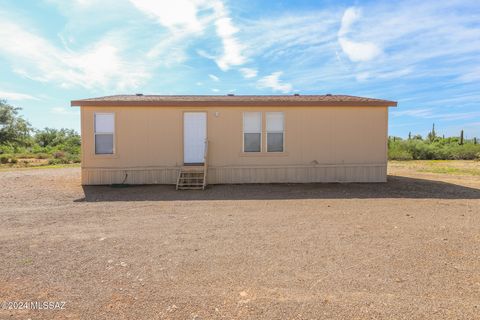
point(62, 139)
point(19, 139)
point(437, 149)
point(58, 155)
point(73, 158)
point(397, 151)
point(57, 161)
point(25, 155)
point(465, 152)
point(54, 161)
point(8, 158)
point(398, 154)
point(42, 156)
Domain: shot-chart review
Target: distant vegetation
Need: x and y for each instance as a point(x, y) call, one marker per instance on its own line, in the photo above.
point(433, 147)
point(21, 145)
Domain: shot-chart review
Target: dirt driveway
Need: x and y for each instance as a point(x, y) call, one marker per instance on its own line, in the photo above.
point(407, 249)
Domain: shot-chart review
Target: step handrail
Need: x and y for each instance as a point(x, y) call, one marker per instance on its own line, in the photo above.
point(205, 164)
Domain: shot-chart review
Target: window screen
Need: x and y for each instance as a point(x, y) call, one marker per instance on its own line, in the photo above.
point(104, 143)
point(275, 131)
point(104, 133)
point(252, 132)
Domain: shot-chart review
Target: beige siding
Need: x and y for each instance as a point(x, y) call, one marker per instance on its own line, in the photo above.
point(322, 144)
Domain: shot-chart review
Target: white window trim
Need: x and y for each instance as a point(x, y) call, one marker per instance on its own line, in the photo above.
point(112, 133)
point(282, 132)
point(261, 133)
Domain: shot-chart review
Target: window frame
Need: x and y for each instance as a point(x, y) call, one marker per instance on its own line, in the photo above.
point(95, 133)
point(282, 132)
point(260, 132)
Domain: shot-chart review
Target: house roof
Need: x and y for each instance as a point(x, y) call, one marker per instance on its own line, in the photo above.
point(233, 100)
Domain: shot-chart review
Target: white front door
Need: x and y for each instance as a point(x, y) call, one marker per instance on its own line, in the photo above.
point(194, 136)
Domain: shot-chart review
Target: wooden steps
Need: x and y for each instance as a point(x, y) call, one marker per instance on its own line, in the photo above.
point(191, 178)
point(194, 177)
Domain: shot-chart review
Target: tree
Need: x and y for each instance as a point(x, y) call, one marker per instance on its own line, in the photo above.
point(50, 137)
point(410, 135)
point(417, 137)
point(461, 137)
point(13, 128)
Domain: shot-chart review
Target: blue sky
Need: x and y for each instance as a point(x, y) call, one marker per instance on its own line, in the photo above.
point(423, 54)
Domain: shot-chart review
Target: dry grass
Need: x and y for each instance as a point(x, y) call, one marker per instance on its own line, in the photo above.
point(454, 167)
point(38, 164)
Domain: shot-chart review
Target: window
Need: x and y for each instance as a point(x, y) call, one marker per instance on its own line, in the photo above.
point(275, 130)
point(104, 133)
point(252, 131)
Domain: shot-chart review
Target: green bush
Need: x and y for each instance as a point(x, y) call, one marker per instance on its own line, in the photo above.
point(42, 156)
point(57, 161)
point(25, 155)
point(73, 158)
point(437, 149)
point(6, 149)
point(19, 140)
point(8, 158)
point(398, 151)
point(58, 155)
point(398, 154)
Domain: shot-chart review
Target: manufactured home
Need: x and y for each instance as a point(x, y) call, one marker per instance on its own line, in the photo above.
point(192, 141)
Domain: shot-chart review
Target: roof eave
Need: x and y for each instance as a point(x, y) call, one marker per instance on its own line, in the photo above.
point(84, 103)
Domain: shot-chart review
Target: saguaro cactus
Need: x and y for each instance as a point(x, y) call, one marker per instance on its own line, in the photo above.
point(432, 134)
point(461, 137)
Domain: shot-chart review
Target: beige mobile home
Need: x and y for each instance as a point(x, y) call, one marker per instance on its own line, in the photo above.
point(194, 140)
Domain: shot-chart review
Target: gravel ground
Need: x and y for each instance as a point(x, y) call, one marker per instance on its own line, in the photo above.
point(407, 249)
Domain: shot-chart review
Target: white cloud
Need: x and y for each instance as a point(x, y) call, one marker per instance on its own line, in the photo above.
point(248, 73)
point(170, 49)
point(436, 40)
point(16, 96)
point(431, 113)
point(205, 54)
point(178, 14)
point(189, 18)
point(350, 15)
point(359, 51)
point(232, 48)
point(215, 90)
point(213, 77)
point(84, 3)
point(355, 50)
point(292, 34)
point(273, 82)
point(63, 111)
point(423, 113)
point(396, 74)
point(99, 65)
point(470, 76)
